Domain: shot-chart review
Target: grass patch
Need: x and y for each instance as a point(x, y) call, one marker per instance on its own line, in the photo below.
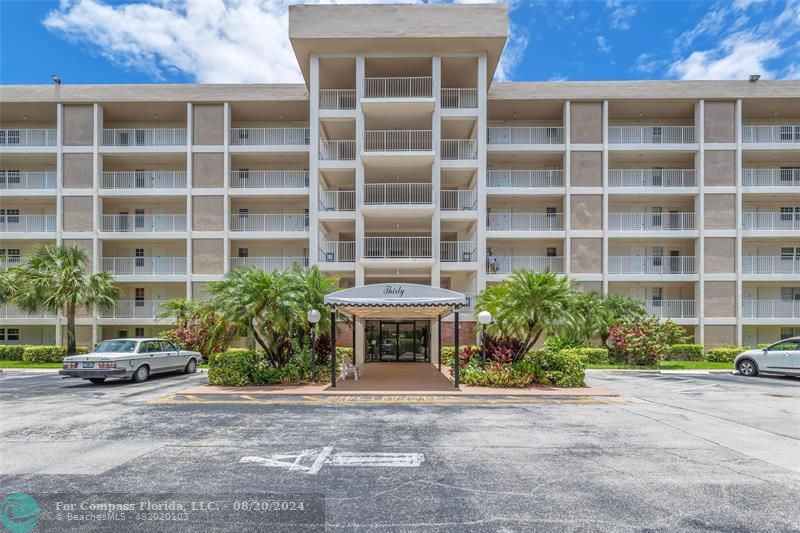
point(670, 365)
point(4, 363)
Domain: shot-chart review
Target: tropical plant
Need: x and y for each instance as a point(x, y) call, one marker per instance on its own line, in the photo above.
point(56, 279)
point(198, 326)
point(619, 309)
point(645, 341)
point(314, 285)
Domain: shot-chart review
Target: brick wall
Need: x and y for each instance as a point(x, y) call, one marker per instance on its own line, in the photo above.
point(465, 334)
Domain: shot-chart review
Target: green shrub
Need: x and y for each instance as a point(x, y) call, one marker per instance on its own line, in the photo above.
point(44, 354)
point(447, 352)
point(497, 376)
point(548, 367)
point(239, 367)
point(233, 368)
point(763, 345)
point(11, 352)
point(344, 351)
point(725, 354)
point(590, 356)
point(684, 352)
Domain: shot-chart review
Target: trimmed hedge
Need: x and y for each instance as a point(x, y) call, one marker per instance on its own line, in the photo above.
point(589, 356)
point(37, 354)
point(684, 352)
point(12, 352)
point(239, 367)
point(233, 367)
point(725, 354)
point(561, 369)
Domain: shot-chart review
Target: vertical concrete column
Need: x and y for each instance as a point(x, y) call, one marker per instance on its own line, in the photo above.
point(567, 200)
point(189, 199)
point(97, 169)
point(738, 247)
point(226, 180)
point(59, 191)
point(700, 202)
point(605, 196)
point(436, 171)
point(483, 91)
point(313, 163)
point(359, 170)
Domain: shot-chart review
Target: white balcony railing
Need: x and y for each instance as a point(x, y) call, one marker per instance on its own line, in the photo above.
point(771, 177)
point(770, 308)
point(459, 200)
point(268, 222)
point(143, 223)
point(770, 221)
point(469, 304)
point(337, 150)
point(337, 200)
point(269, 136)
point(459, 149)
point(770, 264)
point(144, 136)
point(27, 137)
point(145, 266)
point(270, 264)
point(135, 309)
point(525, 178)
point(144, 179)
point(9, 261)
point(16, 180)
point(650, 134)
point(458, 251)
point(397, 248)
point(398, 87)
point(459, 98)
point(525, 222)
point(671, 308)
point(783, 133)
point(506, 264)
point(398, 193)
point(337, 251)
point(654, 264)
point(656, 178)
point(9, 311)
point(651, 221)
point(28, 223)
point(269, 179)
point(526, 135)
point(397, 141)
point(337, 99)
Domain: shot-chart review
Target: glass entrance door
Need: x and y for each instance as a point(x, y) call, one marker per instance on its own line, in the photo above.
point(397, 341)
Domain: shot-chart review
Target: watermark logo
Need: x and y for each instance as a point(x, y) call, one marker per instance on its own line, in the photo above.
point(20, 512)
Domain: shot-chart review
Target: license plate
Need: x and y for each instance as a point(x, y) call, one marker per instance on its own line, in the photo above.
point(88, 365)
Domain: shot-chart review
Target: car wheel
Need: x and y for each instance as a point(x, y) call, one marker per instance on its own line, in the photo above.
point(97, 381)
point(746, 367)
point(191, 367)
point(141, 374)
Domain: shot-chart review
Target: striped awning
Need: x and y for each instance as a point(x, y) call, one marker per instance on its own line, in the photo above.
point(396, 301)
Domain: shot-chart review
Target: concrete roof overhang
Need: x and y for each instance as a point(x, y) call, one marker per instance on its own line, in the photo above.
point(393, 301)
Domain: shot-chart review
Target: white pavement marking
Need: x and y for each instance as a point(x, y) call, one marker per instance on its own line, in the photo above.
point(293, 461)
point(696, 388)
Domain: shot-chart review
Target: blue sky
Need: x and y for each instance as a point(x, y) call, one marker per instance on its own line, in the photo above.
point(228, 41)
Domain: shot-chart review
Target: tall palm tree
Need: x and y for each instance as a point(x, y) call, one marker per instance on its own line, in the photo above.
point(56, 279)
point(616, 309)
point(314, 285)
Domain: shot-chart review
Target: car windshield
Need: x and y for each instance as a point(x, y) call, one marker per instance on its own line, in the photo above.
point(116, 346)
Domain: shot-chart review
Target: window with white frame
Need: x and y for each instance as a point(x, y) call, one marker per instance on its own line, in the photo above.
point(9, 215)
point(139, 296)
point(12, 334)
point(656, 294)
point(139, 257)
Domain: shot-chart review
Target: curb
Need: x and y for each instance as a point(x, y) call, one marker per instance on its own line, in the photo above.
point(666, 370)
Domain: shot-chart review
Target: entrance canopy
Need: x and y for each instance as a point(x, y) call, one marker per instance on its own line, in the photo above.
point(396, 301)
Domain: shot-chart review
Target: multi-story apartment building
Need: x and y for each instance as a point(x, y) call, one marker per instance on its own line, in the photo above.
point(399, 159)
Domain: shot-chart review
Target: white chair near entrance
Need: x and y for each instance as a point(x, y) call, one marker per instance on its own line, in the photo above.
point(348, 368)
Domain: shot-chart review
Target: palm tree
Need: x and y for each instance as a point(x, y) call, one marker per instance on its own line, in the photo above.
point(314, 285)
point(616, 309)
point(181, 309)
point(199, 325)
point(56, 279)
point(527, 305)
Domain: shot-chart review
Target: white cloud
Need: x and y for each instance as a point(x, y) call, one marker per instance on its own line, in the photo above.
point(602, 45)
point(513, 53)
point(735, 58)
point(621, 14)
point(648, 64)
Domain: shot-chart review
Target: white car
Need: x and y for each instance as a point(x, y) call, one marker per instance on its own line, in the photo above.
point(782, 357)
point(133, 359)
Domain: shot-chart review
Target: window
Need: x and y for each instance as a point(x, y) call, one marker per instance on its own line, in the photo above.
point(244, 174)
point(139, 218)
point(139, 178)
point(658, 253)
point(783, 346)
point(10, 216)
point(150, 347)
point(139, 332)
point(790, 293)
point(12, 334)
point(11, 177)
point(123, 334)
point(658, 173)
point(551, 252)
point(656, 220)
point(9, 137)
point(789, 332)
point(244, 252)
point(139, 291)
point(2, 334)
point(656, 293)
point(789, 175)
point(167, 346)
point(11, 256)
point(657, 134)
point(139, 257)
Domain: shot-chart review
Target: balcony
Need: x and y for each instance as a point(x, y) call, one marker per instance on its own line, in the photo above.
point(459, 149)
point(670, 308)
point(651, 135)
point(469, 305)
point(783, 133)
point(766, 265)
point(144, 179)
point(143, 223)
point(269, 179)
point(270, 136)
point(28, 223)
point(270, 264)
point(525, 179)
point(771, 177)
point(337, 150)
point(398, 141)
point(398, 194)
point(651, 178)
point(10, 261)
point(27, 137)
point(458, 251)
point(144, 137)
point(459, 98)
point(525, 222)
point(338, 201)
point(10, 312)
point(337, 252)
point(16, 180)
point(771, 309)
point(397, 248)
point(337, 99)
point(459, 200)
point(651, 221)
point(770, 221)
point(521, 135)
point(269, 222)
point(145, 266)
point(134, 309)
point(506, 264)
point(405, 87)
point(651, 265)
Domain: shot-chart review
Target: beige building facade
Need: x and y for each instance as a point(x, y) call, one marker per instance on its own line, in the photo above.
point(400, 160)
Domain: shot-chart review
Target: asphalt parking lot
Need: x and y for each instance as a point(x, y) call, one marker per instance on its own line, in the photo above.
point(674, 452)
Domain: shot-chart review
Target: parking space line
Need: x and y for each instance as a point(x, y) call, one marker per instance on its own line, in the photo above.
point(696, 388)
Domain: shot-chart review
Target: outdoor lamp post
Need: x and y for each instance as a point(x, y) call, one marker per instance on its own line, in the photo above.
point(484, 318)
point(313, 317)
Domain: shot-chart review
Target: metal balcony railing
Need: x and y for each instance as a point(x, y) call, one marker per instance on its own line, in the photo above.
point(771, 177)
point(28, 137)
point(9, 261)
point(337, 251)
point(398, 193)
point(458, 251)
point(135, 309)
point(144, 179)
point(339, 99)
point(8, 311)
point(526, 135)
point(525, 222)
point(398, 141)
point(770, 308)
point(650, 134)
point(770, 264)
point(145, 266)
point(144, 136)
point(337, 150)
point(653, 264)
point(469, 305)
point(28, 223)
point(268, 222)
point(459, 149)
point(270, 263)
point(466, 98)
point(397, 248)
point(525, 178)
point(671, 308)
point(270, 136)
point(783, 133)
point(651, 221)
point(398, 87)
point(770, 221)
point(21, 180)
point(269, 179)
point(506, 264)
point(143, 223)
point(337, 200)
point(459, 200)
point(655, 178)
